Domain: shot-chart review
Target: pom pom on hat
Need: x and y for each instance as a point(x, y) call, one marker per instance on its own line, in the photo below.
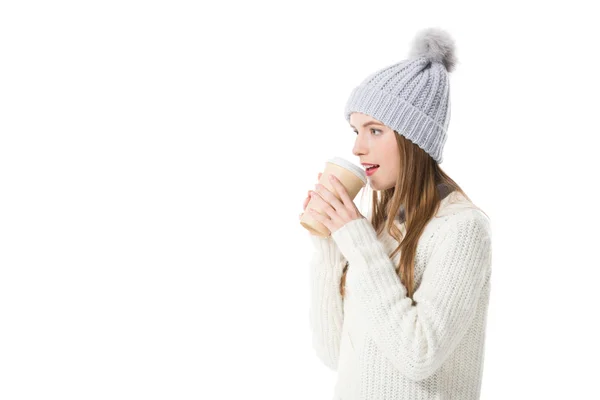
point(436, 45)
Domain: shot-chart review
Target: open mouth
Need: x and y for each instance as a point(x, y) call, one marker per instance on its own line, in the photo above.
point(371, 170)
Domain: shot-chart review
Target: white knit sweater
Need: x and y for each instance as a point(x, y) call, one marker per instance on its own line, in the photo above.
point(382, 346)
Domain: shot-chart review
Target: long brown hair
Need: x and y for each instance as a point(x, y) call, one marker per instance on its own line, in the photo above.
point(415, 198)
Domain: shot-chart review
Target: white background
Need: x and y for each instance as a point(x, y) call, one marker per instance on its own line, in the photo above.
point(154, 157)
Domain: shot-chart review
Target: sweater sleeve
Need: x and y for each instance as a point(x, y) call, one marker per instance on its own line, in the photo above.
point(417, 339)
point(326, 305)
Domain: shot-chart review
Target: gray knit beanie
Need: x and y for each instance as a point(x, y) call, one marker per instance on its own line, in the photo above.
point(412, 96)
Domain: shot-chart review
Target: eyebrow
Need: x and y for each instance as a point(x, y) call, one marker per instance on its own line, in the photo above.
point(369, 123)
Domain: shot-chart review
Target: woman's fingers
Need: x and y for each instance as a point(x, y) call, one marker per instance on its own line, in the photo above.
point(308, 198)
point(317, 200)
point(306, 201)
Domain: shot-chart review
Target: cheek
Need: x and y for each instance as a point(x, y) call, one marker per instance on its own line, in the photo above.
point(391, 156)
point(392, 164)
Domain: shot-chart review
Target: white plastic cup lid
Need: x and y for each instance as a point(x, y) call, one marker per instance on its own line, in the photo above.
point(358, 171)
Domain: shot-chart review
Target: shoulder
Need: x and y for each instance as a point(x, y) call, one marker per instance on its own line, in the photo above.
point(467, 222)
point(456, 210)
point(458, 206)
point(470, 218)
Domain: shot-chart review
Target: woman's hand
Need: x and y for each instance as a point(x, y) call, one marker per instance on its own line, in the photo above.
point(307, 200)
point(339, 213)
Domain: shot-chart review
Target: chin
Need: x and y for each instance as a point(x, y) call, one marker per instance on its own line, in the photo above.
point(376, 186)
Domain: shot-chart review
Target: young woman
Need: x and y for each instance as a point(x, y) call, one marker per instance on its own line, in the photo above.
point(399, 299)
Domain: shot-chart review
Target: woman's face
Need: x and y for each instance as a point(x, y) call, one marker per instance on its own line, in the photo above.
point(376, 144)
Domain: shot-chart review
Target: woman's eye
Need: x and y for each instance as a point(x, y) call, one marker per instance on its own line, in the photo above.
point(372, 130)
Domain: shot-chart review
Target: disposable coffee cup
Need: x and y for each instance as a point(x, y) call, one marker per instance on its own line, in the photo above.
point(351, 176)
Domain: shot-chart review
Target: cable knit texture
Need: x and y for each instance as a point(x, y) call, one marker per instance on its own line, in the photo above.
point(381, 345)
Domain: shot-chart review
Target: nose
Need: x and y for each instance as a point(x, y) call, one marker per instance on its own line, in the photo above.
point(361, 145)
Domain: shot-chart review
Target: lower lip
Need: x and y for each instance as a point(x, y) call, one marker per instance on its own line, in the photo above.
point(371, 171)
